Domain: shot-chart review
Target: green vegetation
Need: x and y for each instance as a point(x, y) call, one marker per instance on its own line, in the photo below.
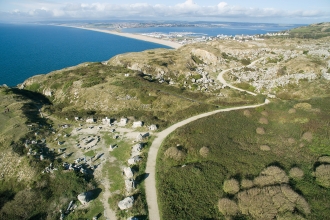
point(196, 60)
point(193, 181)
point(315, 31)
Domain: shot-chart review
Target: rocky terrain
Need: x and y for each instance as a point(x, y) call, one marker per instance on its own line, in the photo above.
point(89, 127)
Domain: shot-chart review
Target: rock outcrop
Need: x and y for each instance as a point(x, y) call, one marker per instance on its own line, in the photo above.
point(126, 203)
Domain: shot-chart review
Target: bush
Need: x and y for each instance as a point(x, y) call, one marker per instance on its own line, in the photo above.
point(204, 151)
point(246, 61)
point(174, 153)
point(231, 186)
point(260, 131)
point(227, 207)
point(296, 173)
point(322, 174)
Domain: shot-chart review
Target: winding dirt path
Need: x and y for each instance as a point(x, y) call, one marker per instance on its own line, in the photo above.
point(150, 182)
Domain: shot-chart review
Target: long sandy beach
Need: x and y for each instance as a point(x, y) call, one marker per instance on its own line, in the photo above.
point(169, 43)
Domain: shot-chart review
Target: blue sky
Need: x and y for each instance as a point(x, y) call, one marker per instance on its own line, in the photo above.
point(272, 11)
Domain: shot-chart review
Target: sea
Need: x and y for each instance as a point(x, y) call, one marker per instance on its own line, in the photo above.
point(28, 50)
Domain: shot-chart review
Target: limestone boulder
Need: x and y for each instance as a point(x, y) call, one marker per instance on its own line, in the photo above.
point(134, 160)
point(126, 203)
point(84, 197)
point(129, 185)
point(128, 172)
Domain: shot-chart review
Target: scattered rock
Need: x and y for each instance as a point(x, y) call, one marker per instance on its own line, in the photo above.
point(133, 160)
point(126, 203)
point(153, 127)
point(128, 172)
point(129, 185)
point(84, 198)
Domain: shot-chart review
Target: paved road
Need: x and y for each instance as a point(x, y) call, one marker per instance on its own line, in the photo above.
point(150, 182)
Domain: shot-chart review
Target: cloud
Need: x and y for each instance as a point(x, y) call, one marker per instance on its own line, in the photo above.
point(44, 10)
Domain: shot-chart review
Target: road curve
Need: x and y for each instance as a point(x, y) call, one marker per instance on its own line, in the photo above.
point(150, 182)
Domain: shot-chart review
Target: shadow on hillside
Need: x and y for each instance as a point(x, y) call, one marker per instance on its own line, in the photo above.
point(35, 101)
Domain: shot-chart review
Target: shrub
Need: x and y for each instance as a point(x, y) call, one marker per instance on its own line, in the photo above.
point(245, 184)
point(296, 173)
point(270, 176)
point(196, 60)
point(227, 207)
point(204, 151)
point(264, 148)
point(303, 106)
point(263, 120)
point(260, 131)
point(246, 61)
point(324, 159)
point(174, 153)
point(307, 136)
point(231, 186)
point(247, 113)
point(322, 174)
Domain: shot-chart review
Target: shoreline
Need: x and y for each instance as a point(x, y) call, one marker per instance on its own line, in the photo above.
point(171, 44)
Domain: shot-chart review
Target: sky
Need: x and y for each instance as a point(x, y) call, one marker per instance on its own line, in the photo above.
point(262, 11)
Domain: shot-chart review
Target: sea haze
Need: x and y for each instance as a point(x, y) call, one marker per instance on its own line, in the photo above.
point(27, 50)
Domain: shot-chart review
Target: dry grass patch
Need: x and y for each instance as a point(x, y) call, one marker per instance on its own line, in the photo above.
point(227, 207)
point(231, 186)
point(291, 141)
point(264, 148)
point(322, 174)
point(296, 173)
point(292, 111)
point(260, 131)
point(307, 136)
point(204, 151)
point(263, 121)
point(264, 113)
point(175, 154)
point(247, 113)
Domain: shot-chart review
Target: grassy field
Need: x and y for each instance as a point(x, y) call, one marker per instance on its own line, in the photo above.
point(196, 160)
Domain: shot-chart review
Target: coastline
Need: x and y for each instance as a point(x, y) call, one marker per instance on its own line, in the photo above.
point(171, 44)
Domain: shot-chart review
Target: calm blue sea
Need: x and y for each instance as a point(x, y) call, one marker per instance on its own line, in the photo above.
point(27, 50)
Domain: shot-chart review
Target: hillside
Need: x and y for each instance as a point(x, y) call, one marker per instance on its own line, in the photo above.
point(315, 31)
point(86, 130)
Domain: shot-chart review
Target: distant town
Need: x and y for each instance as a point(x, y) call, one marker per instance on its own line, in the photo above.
point(179, 37)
